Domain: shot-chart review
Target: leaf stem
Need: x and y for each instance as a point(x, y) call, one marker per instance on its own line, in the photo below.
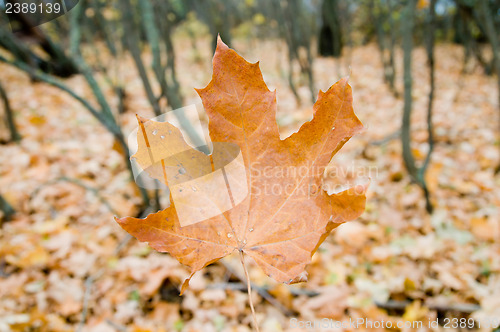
point(249, 287)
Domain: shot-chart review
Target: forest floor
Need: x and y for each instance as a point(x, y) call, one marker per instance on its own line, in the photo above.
point(66, 265)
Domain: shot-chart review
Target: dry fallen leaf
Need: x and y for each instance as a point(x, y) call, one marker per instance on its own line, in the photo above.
point(268, 192)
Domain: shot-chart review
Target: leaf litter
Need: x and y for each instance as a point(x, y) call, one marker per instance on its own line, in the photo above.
point(393, 251)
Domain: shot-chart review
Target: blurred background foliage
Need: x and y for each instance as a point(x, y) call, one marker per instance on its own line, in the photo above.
point(307, 29)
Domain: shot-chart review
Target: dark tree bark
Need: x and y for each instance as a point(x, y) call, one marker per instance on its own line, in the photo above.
point(103, 25)
point(23, 53)
point(59, 63)
point(295, 29)
point(430, 127)
point(408, 158)
point(218, 16)
point(492, 35)
point(386, 41)
point(170, 87)
point(407, 76)
point(379, 18)
point(75, 32)
point(133, 45)
point(330, 36)
point(9, 116)
point(466, 20)
point(221, 22)
point(391, 75)
point(104, 115)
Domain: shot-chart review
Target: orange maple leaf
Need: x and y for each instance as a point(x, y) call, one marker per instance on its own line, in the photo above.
point(279, 211)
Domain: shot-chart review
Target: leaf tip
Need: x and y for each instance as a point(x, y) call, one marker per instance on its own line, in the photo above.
point(200, 91)
point(140, 119)
point(119, 221)
point(345, 80)
point(220, 43)
point(185, 284)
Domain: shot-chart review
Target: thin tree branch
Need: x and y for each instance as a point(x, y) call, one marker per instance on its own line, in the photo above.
point(9, 116)
point(105, 116)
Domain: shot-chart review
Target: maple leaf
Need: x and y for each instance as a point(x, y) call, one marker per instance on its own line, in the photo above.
point(279, 211)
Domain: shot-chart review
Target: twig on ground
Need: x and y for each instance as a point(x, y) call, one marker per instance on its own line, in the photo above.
point(387, 139)
point(401, 305)
point(88, 286)
point(241, 287)
point(389, 305)
point(119, 327)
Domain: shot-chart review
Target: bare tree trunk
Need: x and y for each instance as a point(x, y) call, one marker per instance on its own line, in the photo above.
point(409, 160)
point(462, 35)
point(104, 115)
point(392, 43)
point(407, 76)
point(293, 22)
point(133, 44)
point(346, 22)
point(381, 15)
point(469, 17)
point(330, 37)
point(378, 13)
point(430, 126)
point(103, 25)
point(492, 36)
point(170, 86)
point(60, 64)
point(291, 83)
point(9, 116)
point(75, 32)
point(308, 70)
point(152, 34)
